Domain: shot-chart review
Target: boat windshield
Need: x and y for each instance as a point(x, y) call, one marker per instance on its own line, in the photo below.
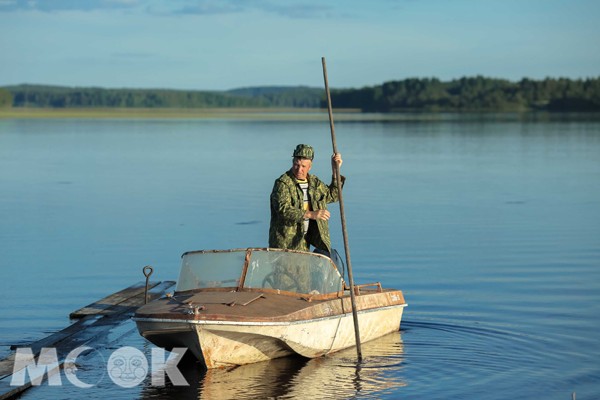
point(214, 269)
point(272, 269)
point(293, 272)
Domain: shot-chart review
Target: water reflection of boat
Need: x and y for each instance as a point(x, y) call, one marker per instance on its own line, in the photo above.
point(379, 371)
point(297, 377)
point(242, 306)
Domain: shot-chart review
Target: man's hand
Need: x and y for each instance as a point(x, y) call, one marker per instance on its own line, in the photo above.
point(318, 214)
point(336, 158)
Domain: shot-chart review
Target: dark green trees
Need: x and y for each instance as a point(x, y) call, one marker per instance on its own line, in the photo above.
point(6, 99)
point(474, 94)
point(414, 94)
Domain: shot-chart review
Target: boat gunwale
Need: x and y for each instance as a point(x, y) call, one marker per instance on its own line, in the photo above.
point(185, 320)
point(394, 297)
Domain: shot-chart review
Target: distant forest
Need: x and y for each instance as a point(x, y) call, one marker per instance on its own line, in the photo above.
point(415, 94)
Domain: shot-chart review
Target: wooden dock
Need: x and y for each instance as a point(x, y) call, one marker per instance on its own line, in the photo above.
point(93, 321)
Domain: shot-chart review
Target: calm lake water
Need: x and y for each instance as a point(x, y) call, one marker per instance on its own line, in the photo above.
point(490, 226)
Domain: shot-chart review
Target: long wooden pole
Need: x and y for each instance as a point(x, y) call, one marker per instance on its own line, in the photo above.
point(343, 215)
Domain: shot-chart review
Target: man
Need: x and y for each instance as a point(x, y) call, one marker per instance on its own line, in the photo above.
point(299, 216)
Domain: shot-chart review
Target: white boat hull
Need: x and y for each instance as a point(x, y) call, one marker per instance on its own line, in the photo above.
point(227, 343)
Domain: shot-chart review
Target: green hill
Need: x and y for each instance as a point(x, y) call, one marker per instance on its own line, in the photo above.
point(414, 94)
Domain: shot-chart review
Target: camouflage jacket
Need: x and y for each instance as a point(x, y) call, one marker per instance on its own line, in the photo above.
point(287, 214)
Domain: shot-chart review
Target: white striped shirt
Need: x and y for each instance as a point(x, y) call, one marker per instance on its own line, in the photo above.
point(304, 186)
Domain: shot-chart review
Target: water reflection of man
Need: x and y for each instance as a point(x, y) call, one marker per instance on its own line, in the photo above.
point(299, 215)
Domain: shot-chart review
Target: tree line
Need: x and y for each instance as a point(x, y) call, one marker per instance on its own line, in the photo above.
point(66, 97)
point(415, 94)
point(474, 94)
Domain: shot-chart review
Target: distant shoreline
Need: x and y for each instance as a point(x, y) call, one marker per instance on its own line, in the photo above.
point(426, 95)
point(281, 114)
point(163, 113)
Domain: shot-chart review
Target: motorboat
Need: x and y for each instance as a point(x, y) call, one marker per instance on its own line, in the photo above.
point(240, 306)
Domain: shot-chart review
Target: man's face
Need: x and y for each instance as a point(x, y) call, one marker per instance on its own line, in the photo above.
point(300, 167)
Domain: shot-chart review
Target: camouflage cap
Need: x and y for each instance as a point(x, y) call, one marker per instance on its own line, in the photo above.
point(304, 151)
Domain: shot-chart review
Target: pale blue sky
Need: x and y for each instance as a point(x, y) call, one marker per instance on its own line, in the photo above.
point(224, 44)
